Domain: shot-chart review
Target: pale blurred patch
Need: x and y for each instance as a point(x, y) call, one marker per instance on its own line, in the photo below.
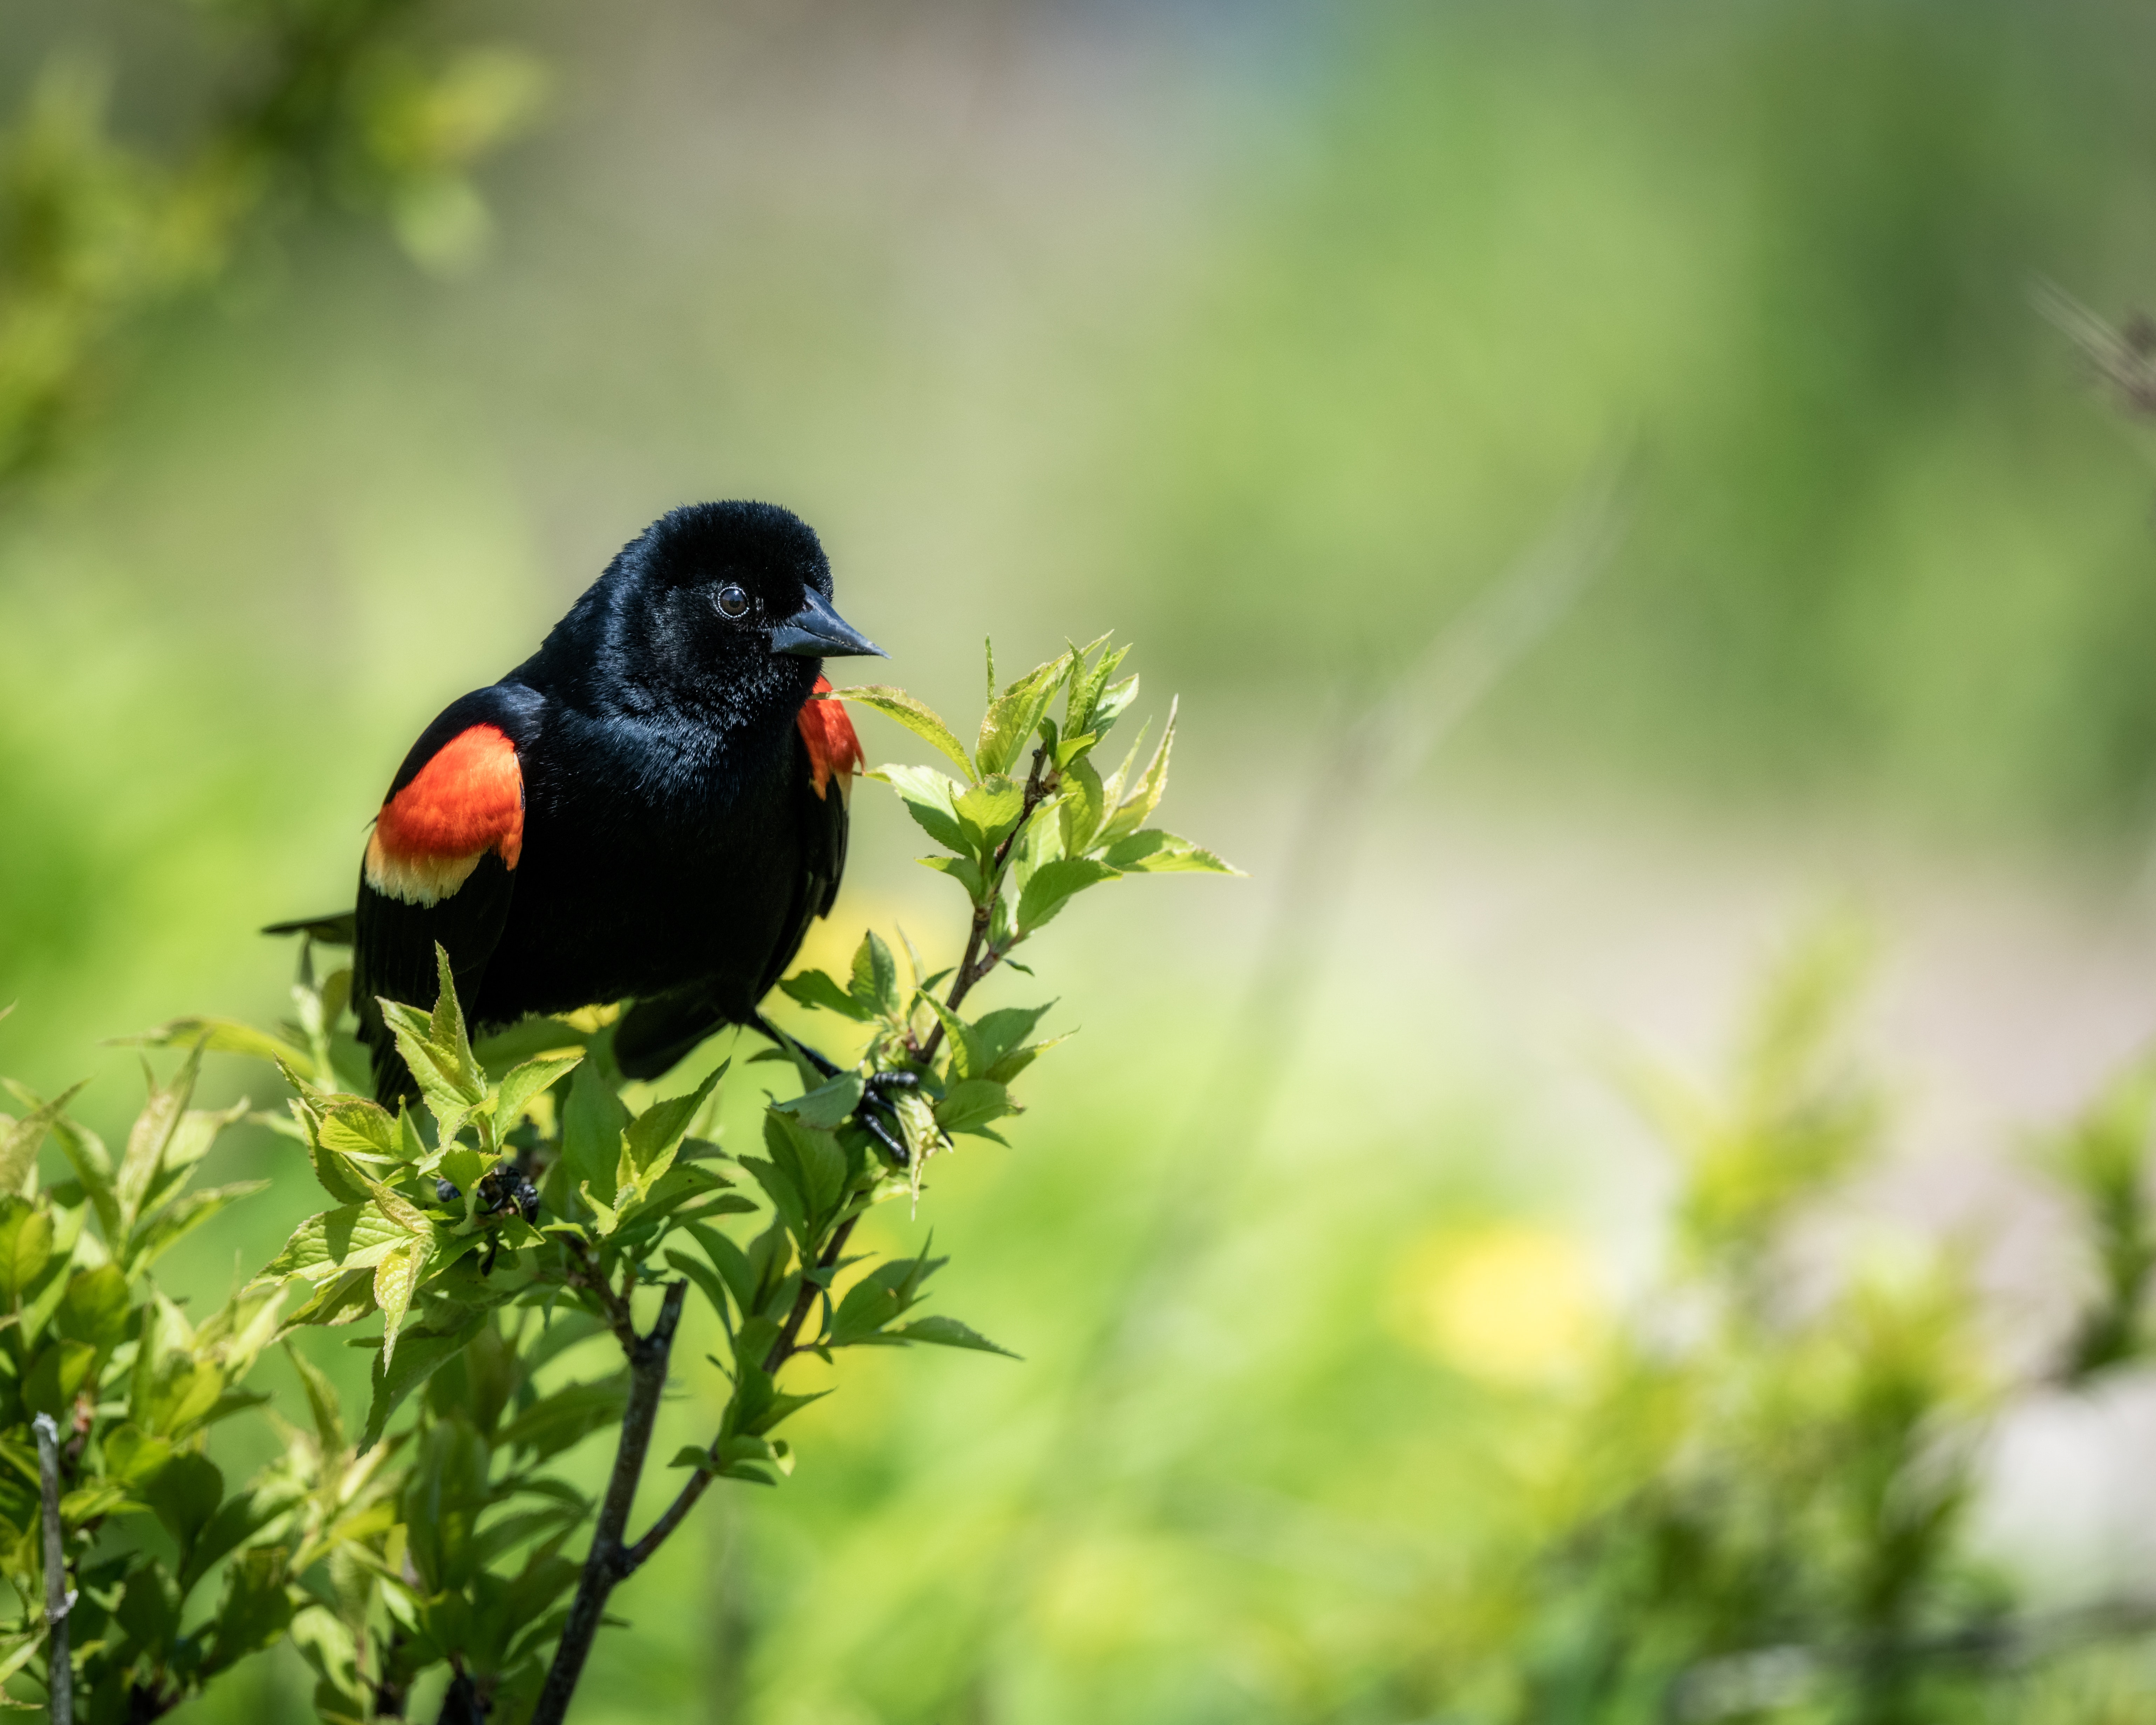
point(1511, 1302)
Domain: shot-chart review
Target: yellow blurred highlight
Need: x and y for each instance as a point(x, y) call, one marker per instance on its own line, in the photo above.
point(1511, 1302)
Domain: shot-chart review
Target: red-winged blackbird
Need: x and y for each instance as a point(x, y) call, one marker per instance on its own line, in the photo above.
point(651, 807)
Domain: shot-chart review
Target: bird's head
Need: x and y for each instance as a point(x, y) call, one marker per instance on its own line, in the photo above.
point(730, 600)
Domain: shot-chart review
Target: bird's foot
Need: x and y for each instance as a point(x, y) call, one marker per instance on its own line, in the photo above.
point(877, 1112)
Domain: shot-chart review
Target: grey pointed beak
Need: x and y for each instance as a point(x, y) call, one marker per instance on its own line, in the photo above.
point(816, 631)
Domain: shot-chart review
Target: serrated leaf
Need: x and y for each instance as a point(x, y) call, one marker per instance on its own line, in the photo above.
point(949, 1333)
point(917, 715)
point(1054, 885)
point(1154, 852)
point(396, 1279)
point(817, 989)
point(524, 1083)
point(19, 1139)
point(26, 1245)
point(339, 1298)
point(1007, 726)
point(171, 1225)
point(971, 1104)
point(424, 1353)
point(875, 981)
point(228, 1036)
point(321, 1403)
point(353, 1126)
point(931, 798)
point(964, 870)
point(353, 1236)
point(592, 1126)
point(95, 1307)
point(566, 1418)
point(829, 1104)
point(988, 811)
point(650, 1141)
point(1137, 809)
point(151, 1135)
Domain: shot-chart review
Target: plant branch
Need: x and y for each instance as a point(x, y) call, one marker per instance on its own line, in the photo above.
point(974, 966)
point(59, 1667)
point(783, 1349)
point(603, 1564)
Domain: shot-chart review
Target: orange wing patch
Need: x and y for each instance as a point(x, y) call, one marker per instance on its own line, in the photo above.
point(833, 748)
point(466, 801)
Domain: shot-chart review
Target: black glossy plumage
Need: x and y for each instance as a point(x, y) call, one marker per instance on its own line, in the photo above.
point(675, 848)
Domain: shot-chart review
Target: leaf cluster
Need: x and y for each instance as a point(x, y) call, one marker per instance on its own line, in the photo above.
point(513, 1229)
point(87, 1339)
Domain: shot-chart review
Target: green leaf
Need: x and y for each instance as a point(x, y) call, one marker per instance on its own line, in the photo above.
point(86, 1155)
point(592, 1126)
point(567, 1417)
point(648, 1144)
point(255, 1611)
point(1008, 725)
point(19, 1139)
point(396, 1279)
point(1080, 807)
point(1137, 808)
point(95, 1308)
point(1003, 1029)
point(812, 1159)
point(341, 1298)
point(706, 1279)
point(949, 1333)
point(1086, 685)
point(26, 1245)
point(228, 1036)
point(988, 811)
point(56, 1376)
point(875, 982)
point(525, 1082)
point(151, 1136)
point(733, 1266)
point(184, 1496)
point(170, 1226)
point(816, 988)
point(931, 798)
point(438, 1049)
point(1053, 886)
point(964, 870)
point(920, 719)
point(353, 1126)
point(424, 1353)
point(967, 1056)
point(321, 1403)
point(1154, 852)
point(971, 1104)
point(829, 1104)
point(132, 1456)
point(353, 1236)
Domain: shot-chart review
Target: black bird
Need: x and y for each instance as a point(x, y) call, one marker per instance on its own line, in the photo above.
point(652, 807)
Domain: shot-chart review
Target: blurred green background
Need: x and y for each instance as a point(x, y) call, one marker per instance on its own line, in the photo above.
point(1271, 334)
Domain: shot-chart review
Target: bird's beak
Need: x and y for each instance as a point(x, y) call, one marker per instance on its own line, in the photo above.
point(816, 631)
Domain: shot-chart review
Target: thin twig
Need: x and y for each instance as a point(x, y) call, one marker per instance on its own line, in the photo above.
point(58, 1664)
point(974, 966)
point(602, 1564)
point(782, 1350)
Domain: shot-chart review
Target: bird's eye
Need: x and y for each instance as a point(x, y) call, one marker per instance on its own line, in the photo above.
point(733, 600)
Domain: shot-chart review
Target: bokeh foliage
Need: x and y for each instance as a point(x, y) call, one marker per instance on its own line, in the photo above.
point(1885, 557)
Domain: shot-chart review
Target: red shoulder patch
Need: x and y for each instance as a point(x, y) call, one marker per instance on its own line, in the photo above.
point(467, 800)
point(833, 748)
